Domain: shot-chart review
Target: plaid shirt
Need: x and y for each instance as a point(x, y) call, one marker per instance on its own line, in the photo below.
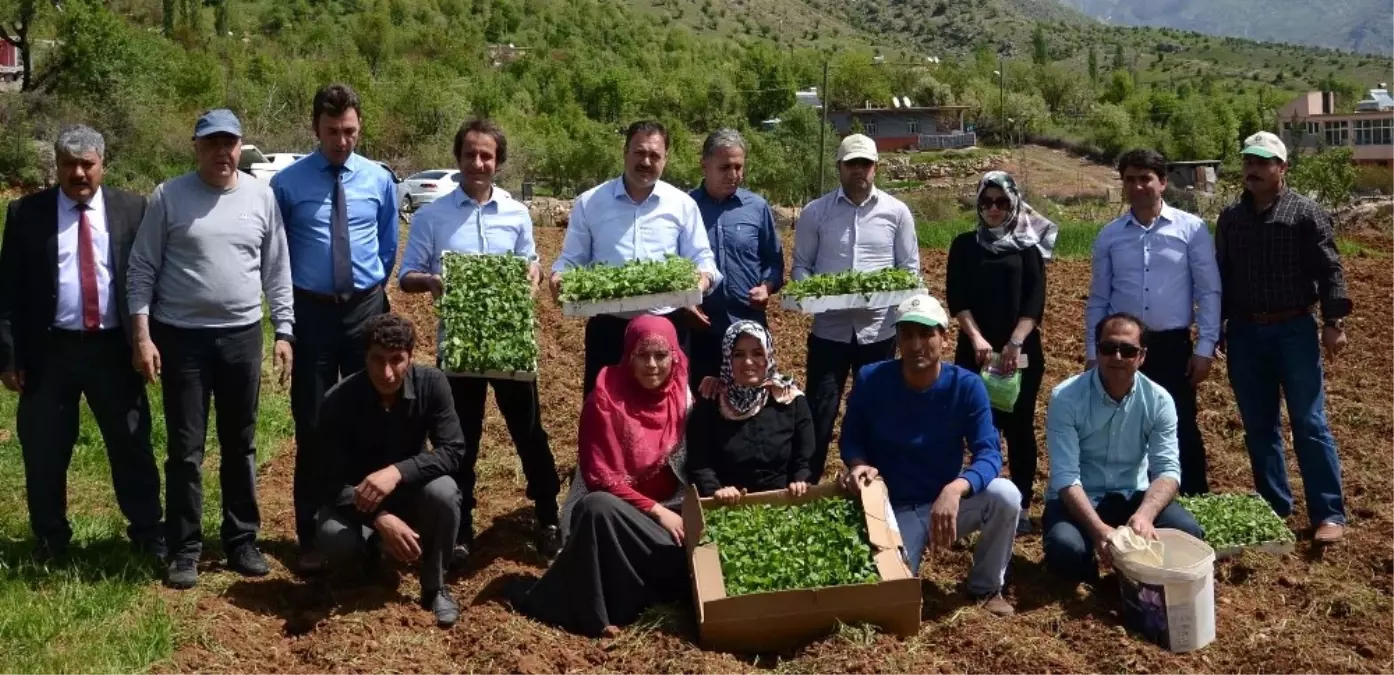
point(1279, 260)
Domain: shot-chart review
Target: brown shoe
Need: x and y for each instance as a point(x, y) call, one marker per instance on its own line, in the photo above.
point(1329, 533)
point(997, 605)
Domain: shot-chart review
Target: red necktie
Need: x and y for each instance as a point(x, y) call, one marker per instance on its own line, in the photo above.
point(87, 271)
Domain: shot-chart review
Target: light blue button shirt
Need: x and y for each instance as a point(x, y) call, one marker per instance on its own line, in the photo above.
point(1165, 274)
point(305, 193)
point(456, 222)
point(1105, 445)
point(606, 226)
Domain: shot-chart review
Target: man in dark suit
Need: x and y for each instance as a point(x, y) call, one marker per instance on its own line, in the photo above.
point(64, 332)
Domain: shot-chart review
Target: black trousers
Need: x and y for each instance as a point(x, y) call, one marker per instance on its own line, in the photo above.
point(1018, 427)
point(328, 347)
point(605, 342)
point(1168, 353)
point(97, 366)
point(829, 364)
point(431, 509)
point(704, 355)
point(224, 363)
point(521, 408)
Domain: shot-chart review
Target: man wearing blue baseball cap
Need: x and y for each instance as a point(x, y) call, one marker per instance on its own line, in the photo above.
point(210, 246)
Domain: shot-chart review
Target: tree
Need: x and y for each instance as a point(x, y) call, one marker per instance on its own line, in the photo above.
point(1058, 87)
point(17, 18)
point(1328, 174)
point(1120, 87)
point(221, 20)
point(1111, 129)
point(374, 35)
point(770, 82)
point(1040, 55)
point(1093, 63)
point(1119, 62)
point(94, 51)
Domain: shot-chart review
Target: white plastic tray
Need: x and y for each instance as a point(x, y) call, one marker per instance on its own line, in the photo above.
point(829, 303)
point(637, 303)
point(1271, 548)
point(517, 375)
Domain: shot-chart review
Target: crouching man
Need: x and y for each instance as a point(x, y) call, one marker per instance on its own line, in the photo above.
point(1114, 460)
point(388, 490)
point(908, 420)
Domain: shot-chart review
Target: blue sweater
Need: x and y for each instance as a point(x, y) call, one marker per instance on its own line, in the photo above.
point(916, 439)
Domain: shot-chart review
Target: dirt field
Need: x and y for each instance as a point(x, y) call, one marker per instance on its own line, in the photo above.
point(1305, 612)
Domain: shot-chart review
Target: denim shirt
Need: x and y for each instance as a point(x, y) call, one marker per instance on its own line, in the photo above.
point(1108, 446)
point(742, 234)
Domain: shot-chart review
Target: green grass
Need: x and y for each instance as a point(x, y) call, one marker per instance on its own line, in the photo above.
point(98, 611)
point(1075, 240)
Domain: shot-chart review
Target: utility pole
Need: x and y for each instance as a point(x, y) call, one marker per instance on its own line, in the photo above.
point(823, 128)
point(1002, 93)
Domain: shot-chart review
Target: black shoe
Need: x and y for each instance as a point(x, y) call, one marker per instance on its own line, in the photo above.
point(46, 552)
point(440, 603)
point(248, 561)
point(515, 593)
point(461, 554)
point(182, 573)
point(311, 562)
point(154, 547)
point(548, 540)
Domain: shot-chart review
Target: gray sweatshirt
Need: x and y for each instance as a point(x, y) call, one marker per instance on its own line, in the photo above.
point(203, 256)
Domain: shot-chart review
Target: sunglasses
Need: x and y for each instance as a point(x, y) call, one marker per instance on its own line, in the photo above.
point(1122, 349)
point(1002, 203)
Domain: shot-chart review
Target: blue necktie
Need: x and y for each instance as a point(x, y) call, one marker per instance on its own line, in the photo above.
point(339, 237)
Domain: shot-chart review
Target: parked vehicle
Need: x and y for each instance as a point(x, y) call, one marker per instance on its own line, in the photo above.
point(264, 166)
point(428, 186)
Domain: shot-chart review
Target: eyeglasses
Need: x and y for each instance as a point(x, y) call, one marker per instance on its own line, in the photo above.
point(1002, 203)
point(1122, 349)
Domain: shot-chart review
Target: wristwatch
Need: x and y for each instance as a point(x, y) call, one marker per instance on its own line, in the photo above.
point(1015, 343)
point(1338, 324)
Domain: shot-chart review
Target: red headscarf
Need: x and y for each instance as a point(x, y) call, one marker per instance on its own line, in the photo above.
point(627, 431)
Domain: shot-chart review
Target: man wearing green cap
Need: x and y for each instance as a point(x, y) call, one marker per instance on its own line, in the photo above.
point(1277, 256)
point(909, 420)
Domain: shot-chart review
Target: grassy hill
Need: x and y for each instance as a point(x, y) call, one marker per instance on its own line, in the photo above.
point(1354, 25)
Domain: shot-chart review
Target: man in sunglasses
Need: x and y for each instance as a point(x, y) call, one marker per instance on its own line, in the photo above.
point(1111, 433)
point(1158, 263)
point(854, 227)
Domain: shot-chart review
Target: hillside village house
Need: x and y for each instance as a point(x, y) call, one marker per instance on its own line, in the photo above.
point(905, 126)
point(1311, 121)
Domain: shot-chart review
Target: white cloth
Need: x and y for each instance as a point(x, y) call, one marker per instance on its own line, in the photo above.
point(68, 312)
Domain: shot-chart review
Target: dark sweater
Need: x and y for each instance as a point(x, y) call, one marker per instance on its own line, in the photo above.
point(999, 288)
point(765, 452)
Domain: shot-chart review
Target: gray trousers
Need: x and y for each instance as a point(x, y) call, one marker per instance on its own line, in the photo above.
point(433, 510)
point(993, 512)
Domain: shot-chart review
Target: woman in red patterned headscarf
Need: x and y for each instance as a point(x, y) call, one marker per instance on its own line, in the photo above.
point(624, 542)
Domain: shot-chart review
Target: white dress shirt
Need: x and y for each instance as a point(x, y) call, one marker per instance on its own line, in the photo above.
point(1165, 274)
point(68, 312)
point(606, 226)
point(835, 235)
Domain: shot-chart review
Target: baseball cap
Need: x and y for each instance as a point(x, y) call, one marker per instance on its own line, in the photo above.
point(923, 309)
point(857, 146)
point(219, 121)
point(1266, 145)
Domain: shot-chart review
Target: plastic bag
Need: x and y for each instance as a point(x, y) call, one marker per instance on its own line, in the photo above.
point(1002, 390)
point(1133, 547)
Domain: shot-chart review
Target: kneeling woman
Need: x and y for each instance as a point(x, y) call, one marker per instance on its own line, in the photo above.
point(756, 433)
point(623, 548)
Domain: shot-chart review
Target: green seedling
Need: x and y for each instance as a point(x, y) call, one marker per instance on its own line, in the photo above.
point(488, 315)
point(853, 282)
point(784, 547)
point(638, 277)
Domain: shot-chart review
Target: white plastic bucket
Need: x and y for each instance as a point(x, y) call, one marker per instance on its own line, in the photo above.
point(1171, 604)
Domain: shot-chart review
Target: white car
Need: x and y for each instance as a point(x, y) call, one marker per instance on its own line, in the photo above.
point(264, 166)
point(428, 186)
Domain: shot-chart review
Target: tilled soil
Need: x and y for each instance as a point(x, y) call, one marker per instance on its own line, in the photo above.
point(1305, 612)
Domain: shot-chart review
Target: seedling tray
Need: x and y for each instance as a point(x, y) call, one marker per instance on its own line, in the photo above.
point(1248, 512)
point(515, 375)
point(1270, 548)
point(829, 303)
point(635, 303)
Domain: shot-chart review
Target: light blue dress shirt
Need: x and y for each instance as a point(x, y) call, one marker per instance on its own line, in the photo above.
point(835, 235)
point(1105, 445)
point(456, 222)
point(606, 226)
point(1165, 274)
point(305, 192)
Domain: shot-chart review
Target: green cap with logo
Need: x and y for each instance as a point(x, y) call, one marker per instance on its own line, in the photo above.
point(923, 309)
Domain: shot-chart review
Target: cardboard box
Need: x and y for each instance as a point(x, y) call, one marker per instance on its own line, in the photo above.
point(781, 620)
point(637, 303)
point(829, 303)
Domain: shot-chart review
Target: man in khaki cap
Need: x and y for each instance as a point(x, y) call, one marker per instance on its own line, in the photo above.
point(854, 227)
point(1277, 256)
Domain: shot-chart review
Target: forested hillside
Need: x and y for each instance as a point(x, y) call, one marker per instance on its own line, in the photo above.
point(580, 70)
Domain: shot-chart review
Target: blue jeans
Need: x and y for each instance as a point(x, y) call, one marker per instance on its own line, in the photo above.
point(1069, 551)
point(1262, 360)
point(993, 512)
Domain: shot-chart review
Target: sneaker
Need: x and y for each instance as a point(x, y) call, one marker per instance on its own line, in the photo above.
point(248, 561)
point(1329, 532)
point(440, 603)
point(997, 605)
point(182, 573)
point(311, 562)
point(154, 547)
point(548, 541)
point(1023, 525)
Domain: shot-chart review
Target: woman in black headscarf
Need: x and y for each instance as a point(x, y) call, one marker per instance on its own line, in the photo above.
point(996, 291)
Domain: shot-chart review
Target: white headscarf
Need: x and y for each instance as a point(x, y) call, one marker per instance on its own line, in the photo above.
point(1023, 227)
